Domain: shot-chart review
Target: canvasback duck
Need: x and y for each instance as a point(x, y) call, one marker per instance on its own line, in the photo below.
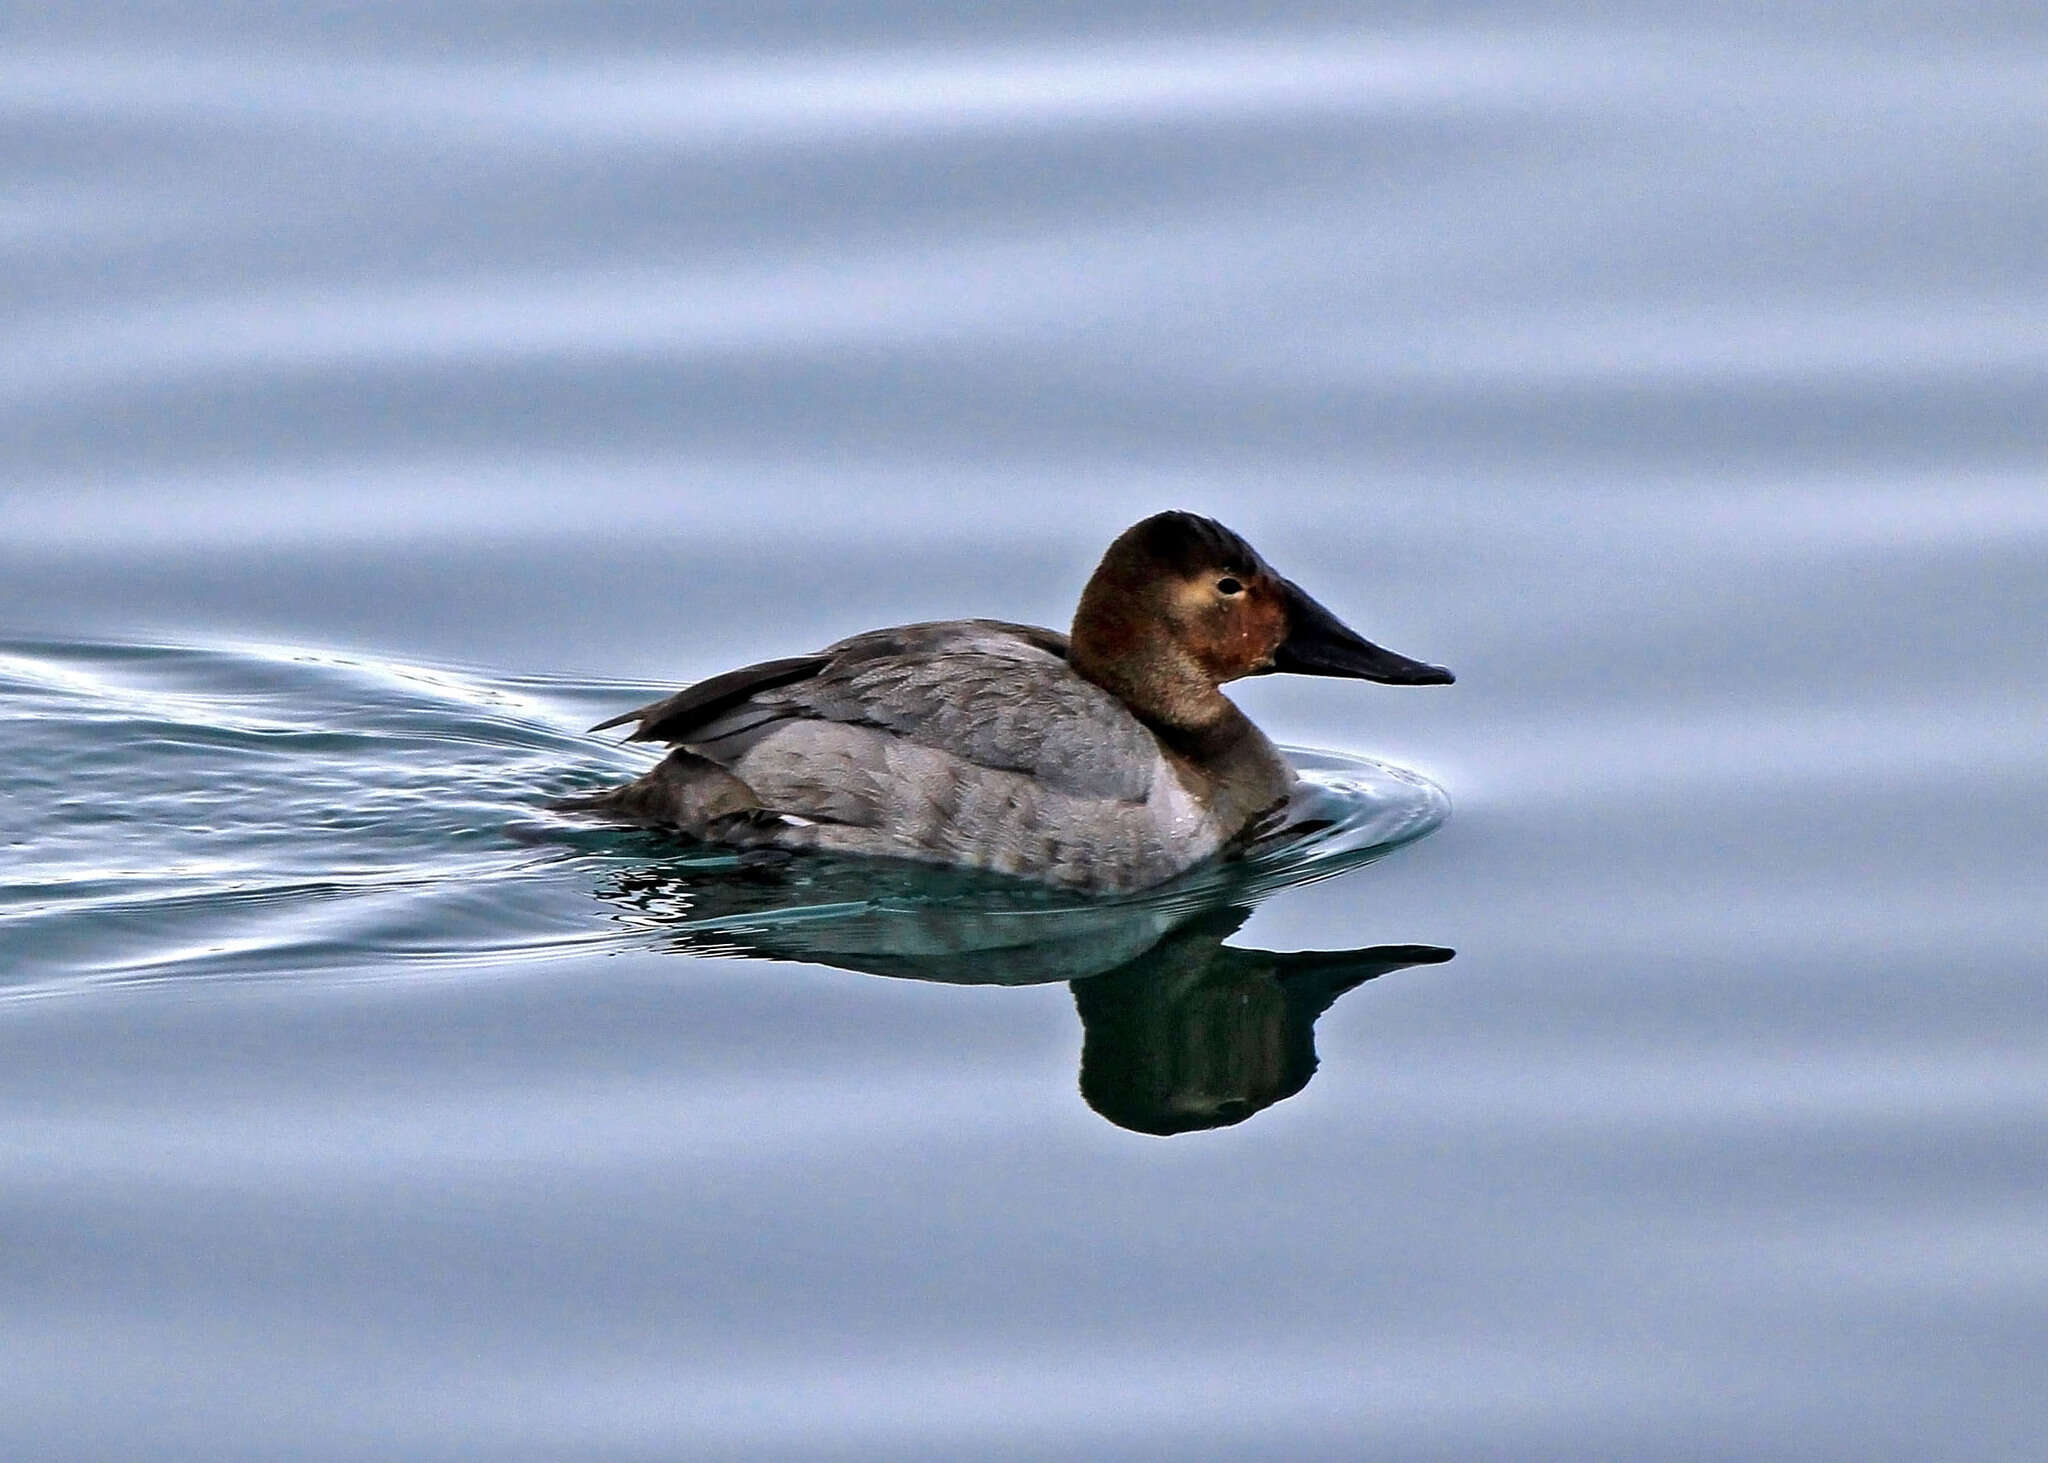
point(1105, 760)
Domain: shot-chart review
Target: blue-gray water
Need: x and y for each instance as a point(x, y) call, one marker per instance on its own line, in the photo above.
point(389, 392)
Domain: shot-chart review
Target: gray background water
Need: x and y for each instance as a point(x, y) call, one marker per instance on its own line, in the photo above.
point(1675, 373)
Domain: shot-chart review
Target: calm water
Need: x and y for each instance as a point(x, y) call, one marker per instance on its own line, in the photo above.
point(390, 393)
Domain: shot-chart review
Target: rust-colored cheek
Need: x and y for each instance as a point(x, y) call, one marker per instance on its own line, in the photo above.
point(1268, 628)
point(1245, 637)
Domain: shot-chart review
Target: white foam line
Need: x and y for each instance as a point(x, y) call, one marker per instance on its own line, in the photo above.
point(197, 709)
point(449, 687)
point(50, 675)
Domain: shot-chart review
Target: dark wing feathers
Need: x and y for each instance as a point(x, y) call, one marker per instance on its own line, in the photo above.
point(1022, 713)
point(673, 718)
point(932, 637)
point(994, 694)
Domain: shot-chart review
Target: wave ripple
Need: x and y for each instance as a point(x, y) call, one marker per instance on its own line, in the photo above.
point(264, 810)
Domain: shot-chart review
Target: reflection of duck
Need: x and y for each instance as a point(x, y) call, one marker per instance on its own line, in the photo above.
point(1180, 1031)
point(1198, 1034)
point(1107, 760)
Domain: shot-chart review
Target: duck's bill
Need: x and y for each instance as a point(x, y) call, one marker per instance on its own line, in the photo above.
point(1320, 644)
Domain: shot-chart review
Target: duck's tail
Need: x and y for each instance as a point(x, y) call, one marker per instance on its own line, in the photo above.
point(684, 791)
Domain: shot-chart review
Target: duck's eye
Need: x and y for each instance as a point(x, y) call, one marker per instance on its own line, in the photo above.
point(1227, 585)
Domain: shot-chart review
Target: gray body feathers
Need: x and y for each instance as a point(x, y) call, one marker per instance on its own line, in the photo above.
point(969, 742)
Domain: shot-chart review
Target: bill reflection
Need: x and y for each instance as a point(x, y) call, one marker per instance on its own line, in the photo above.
point(1198, 1034)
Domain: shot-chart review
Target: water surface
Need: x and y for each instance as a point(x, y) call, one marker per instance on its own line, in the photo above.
point(388, 395)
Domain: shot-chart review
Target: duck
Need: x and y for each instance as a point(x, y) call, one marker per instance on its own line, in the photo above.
point(1106, 760)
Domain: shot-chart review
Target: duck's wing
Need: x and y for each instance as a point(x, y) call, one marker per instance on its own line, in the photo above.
point(673, 718)
point(993, 694)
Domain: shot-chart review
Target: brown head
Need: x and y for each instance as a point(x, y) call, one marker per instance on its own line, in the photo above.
point(1179, 605)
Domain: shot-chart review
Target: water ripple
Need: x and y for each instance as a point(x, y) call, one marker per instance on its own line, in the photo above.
point(245, 810)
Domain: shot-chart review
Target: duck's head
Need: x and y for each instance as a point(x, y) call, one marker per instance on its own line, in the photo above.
point(1180, 604)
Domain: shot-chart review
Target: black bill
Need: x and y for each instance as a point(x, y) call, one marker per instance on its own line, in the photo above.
point(1320, 644)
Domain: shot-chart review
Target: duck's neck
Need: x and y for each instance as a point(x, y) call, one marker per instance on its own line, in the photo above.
point(1160, 683)
point(1213, 742)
